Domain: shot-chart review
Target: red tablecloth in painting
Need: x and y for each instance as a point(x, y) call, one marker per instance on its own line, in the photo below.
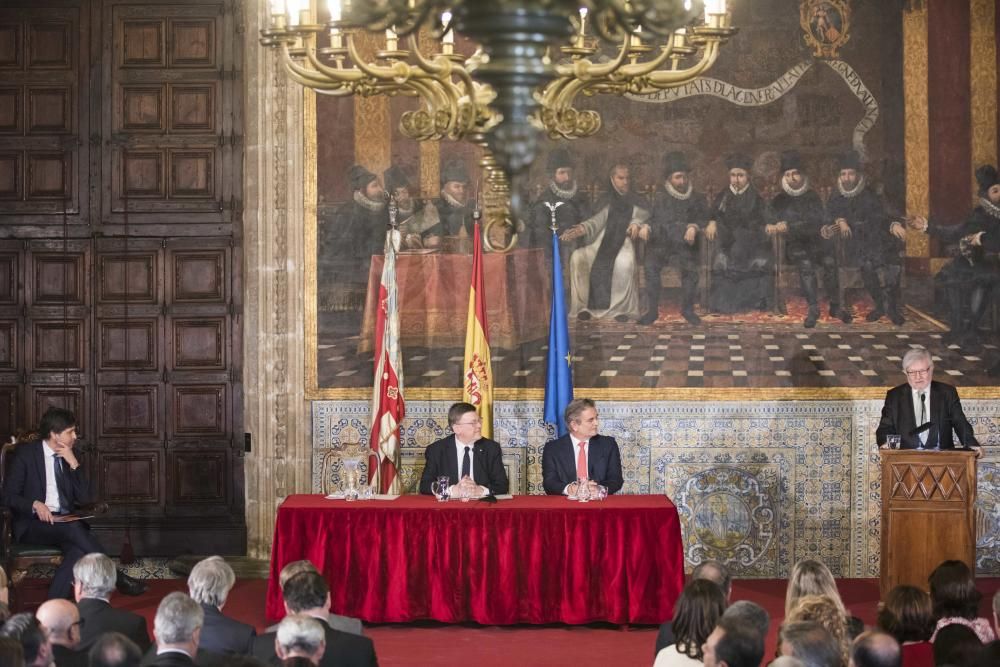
point(434, 298)
point(533, 559)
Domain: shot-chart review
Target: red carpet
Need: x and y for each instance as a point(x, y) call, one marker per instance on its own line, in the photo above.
point(490, 646)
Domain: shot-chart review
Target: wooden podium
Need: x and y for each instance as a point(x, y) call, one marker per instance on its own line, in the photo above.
point(928, 513)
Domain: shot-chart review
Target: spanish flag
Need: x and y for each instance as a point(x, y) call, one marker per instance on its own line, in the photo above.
point(477, 376)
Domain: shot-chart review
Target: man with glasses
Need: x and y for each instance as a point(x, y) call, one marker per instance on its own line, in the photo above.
point(61, 619)
point(924, 412)
point(472, 463)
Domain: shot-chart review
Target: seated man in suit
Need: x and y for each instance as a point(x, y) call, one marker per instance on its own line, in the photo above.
point(335, 621)
point(581, 454)
point(46, 480)
point(93, 581)
point(472, 463)
point(300, 636)
point(209, 584)
point(113, 649)
point(177, 630)
point(307, 593)
point(61, 620)
point(923, 401)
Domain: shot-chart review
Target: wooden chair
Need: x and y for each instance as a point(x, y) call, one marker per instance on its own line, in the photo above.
point(16, 557)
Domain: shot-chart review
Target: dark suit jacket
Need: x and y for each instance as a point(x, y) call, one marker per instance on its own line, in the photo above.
point(25, 483)
point(98, 617)
point(173, 659)
point(487, 464)
point(222, 634)
point(945, 412)
point(342, 649)
point(67, 657)
point(604, 464)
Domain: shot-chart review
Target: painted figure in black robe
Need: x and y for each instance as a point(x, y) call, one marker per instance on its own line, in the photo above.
point(603, 270)
point(742, 273)
point(968, 280)
point(451, 213)
point(798, 212)
point(408, 208)
point(873, 240)
point(572, 207)
point(678, 219)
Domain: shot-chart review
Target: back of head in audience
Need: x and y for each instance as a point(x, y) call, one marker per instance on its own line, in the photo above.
point(811, 643)
point(786, 661)
point(907, 614)
point(113, 649)
point(715, 571)
point(697, 610)
point(953, 591)
point(956, 644)
point(178, 622)
point(989, 655)
point(306, 592)
point(876, 649)
point(61, 619)
point(294, 568)
point(824, 611)
point(732, 644)
point(210, 581)
point(11, 653)
point(811, 577)
point(26, 629)
point(94, 577)
point(749, 615)
point(300, 636)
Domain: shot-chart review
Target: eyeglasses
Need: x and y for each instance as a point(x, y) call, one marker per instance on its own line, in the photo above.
point(917, 372)
point(472, 423)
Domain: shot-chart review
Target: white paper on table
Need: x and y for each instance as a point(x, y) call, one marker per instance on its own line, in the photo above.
point(504, 496)
point(335, 496)
point(385, 496)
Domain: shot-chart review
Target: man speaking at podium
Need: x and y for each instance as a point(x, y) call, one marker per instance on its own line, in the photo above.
point(924, 412)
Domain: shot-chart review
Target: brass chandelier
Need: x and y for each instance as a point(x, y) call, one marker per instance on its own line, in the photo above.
point(534, 60)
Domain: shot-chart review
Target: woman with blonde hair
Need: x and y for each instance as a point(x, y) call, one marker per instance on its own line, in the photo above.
point(811, 577)
point(827, 612)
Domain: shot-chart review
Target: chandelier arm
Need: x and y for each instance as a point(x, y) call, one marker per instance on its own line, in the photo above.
point(648, 67)
point(308, 77)
point(332, 73)
point(424, 63)
point(673, 78)
point(396, 72)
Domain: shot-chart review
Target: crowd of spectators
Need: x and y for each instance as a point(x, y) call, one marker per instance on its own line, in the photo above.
point(189, 629)
point(938, 627)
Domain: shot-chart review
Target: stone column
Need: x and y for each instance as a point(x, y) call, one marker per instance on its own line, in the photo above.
point(276, 412)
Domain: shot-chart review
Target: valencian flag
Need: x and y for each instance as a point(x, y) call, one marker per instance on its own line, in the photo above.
point(477, 374)
point(558, 373)
point(387, 397)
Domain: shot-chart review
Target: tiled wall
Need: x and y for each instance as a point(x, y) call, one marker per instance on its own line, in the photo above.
point(759, 485)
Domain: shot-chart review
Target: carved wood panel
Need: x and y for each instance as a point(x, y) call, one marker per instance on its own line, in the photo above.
point(130, 321)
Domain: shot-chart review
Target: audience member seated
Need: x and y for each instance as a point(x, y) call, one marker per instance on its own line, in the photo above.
point(93, 581)
point(177, 629)
point(956, 600)
point(989, 655)
point(209, 584)
point(307, 593)
point(749, 616)
point(300, 637)
point(61, 621)
point(11, 653)
point(811, 643)
point(732, 645)
point(824, 611)
point(698, 609)
point(786, 661)
point(907, 615)
point(113, 649)
point(875, 649)
point(811, 577)
point(335, 621)
point(712, 570)
point(956, 645)
point(26, 629)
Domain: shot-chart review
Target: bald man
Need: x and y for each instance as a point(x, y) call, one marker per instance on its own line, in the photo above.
point(61, 619)
point(875, 649)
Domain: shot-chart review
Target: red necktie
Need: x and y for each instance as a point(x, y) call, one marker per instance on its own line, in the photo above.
point(581, 462)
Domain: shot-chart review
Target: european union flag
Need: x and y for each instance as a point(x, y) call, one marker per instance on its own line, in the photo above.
point(559, 373)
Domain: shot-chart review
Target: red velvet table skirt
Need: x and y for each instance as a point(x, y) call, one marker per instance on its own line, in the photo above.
point(433, 293)
point(533, 559)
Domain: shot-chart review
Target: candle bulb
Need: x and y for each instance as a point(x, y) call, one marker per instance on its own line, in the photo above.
point(334, 8)
point(448, 39)
point(583, 27)
point(637, 36)
point(391, 41)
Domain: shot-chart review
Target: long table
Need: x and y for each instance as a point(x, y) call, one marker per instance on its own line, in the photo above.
point(532, 559)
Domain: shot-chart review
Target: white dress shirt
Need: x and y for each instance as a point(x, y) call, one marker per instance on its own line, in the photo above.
point(51, 490)
point(916, 409)
point(576, 453)
point(460, 454)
